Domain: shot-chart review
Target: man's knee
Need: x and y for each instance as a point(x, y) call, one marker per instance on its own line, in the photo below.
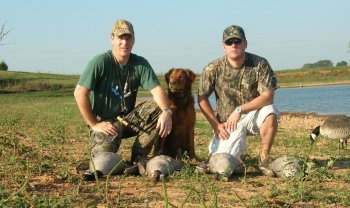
point(146, 144)
point(100, 142)
point(270, 121)
point(145, 116)
point(269, 127)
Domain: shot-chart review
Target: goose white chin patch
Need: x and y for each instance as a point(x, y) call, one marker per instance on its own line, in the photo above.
point(313, 136)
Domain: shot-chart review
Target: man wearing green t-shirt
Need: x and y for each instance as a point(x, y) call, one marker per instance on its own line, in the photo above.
point(107, 90)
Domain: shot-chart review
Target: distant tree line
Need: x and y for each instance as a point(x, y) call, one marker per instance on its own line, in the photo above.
point(324, 64)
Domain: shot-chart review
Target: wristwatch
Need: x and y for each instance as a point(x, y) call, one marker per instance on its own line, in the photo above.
point(238, 109)
point(168, 110)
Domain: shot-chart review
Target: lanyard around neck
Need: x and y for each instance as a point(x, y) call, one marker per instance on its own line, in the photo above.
point(121, 95)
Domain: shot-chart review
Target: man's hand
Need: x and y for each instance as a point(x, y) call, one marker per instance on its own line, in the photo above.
point(232, 121)
point(164, 124)
point(105, 127)
point(221, 132)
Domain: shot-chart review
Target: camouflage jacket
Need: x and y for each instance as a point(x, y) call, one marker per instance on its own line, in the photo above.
point(234, 87)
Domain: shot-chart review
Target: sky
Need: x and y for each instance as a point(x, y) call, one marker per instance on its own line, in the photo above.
point(62, 36)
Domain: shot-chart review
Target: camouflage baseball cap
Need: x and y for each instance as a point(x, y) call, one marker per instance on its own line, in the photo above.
point(122, 27)
point(233, 31)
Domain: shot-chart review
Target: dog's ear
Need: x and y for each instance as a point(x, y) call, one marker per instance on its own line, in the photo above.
point(167, 75)
point(191, 75)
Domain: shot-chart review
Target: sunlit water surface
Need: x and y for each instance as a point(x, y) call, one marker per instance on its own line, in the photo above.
point(321, 100)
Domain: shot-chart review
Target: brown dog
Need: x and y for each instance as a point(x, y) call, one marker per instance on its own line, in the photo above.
point(179, 83)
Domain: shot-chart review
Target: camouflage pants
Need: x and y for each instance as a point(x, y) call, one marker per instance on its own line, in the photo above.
point(142, 124)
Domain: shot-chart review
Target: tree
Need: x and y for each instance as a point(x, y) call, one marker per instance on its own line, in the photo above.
point(323, 63)
point(319, 64)
point(342, 63)
point(3, 66)
point(308, 66)
point(3, 32)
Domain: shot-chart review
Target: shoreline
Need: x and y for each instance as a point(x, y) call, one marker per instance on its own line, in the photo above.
point(301, 85)
point(288, 113)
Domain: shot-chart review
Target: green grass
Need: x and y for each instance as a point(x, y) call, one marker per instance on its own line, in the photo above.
point(25, 81)
point(43, 137)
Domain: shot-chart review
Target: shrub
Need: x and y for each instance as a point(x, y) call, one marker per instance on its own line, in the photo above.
point(3, 66)
point(342, 63)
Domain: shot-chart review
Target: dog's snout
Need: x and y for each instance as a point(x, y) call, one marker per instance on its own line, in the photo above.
point(172, 82)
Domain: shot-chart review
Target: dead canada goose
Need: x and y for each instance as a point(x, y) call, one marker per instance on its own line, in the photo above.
point(286, 166)
point(334, 127)
point(103, 163)
point(223, 165)
point(159, 166)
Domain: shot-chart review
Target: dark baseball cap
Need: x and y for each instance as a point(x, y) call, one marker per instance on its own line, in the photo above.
point(233, 31)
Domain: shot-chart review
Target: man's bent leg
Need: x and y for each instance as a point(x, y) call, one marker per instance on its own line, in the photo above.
point(145, 117)
point(106, 143)
point(234, 145)
point(100, 142)
point(146, 145)
point(268, 132)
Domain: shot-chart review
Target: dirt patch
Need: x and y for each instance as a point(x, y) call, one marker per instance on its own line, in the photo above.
point(306, 121)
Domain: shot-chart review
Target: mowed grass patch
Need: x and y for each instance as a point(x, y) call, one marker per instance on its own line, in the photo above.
point(12, 81)
point(43, 137)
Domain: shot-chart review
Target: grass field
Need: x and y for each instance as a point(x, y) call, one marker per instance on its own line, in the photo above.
point(43, 137)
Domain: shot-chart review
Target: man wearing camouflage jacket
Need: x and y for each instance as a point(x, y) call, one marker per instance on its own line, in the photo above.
point(244, 86)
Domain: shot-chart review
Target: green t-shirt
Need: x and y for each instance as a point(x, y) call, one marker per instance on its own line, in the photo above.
point(101, 75)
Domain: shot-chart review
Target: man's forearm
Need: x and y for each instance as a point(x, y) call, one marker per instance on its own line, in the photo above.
point(81, 95)
point(207, 110)
point(266, 98)
point(160, 97)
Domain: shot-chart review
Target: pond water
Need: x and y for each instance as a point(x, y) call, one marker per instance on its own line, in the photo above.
point(322, 100)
